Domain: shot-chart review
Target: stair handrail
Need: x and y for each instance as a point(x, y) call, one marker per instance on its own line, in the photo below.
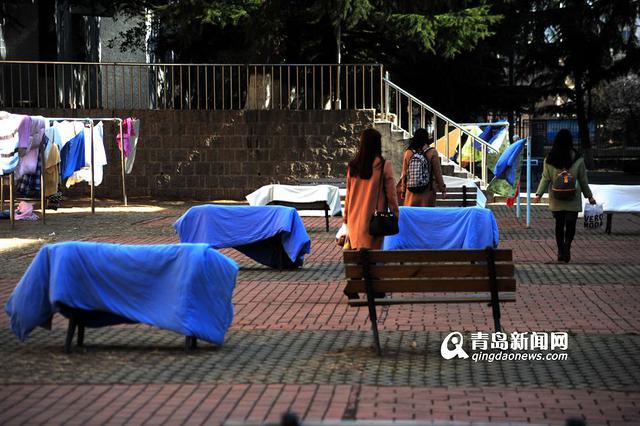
point(485, 146)
point(438, 114)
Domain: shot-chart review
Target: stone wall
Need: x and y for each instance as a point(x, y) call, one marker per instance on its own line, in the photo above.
point(209, 155)
point(394, 144)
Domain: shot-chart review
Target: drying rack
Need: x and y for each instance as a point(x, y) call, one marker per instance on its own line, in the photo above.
point(90, 122)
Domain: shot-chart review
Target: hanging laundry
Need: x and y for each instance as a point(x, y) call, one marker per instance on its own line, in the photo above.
point(24, 130)
point(9, 139)
point(52, 171)
point(66, 130)
point(72, 156)
point(99, 158)
point(29, 159)
point(50, 135)
point(449, 144)
point(37, 131)
point(127, 132)
point(133, 142)
point(29, 184)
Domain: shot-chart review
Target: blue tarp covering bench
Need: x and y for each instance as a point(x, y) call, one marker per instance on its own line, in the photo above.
point(186, 288)
point(271, 235)
point(443, 228)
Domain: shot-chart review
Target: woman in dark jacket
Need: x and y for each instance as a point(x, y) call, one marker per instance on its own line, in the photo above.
point(563, 158)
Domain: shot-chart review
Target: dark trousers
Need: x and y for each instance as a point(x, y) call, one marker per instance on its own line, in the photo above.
point(565, 228)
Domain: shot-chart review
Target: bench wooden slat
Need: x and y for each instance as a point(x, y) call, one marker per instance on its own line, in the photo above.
point(431, 286)
point(471, 298)
point(388, 256)
point(428, 271)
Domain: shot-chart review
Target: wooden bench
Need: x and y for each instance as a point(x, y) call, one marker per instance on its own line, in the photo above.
point(459, 276)
point(461, 196)
point(314, 205)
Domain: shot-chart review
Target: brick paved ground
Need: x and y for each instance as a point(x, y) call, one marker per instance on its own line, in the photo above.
point(295, 345)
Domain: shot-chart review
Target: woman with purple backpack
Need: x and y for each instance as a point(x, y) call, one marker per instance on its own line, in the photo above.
point(565, 176)
point(421, 173)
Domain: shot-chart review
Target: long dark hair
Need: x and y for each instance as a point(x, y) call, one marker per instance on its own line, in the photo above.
point(419, 140)
point(562, 154)
point(369, 148)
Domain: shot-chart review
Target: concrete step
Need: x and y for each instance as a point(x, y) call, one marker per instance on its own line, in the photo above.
point(447, 169)
point(464, 175)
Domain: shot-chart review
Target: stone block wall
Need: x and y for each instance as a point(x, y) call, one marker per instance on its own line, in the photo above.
point(208, 155)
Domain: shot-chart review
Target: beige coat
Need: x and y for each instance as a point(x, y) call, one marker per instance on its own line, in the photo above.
point(428, 197)
point(362, 198)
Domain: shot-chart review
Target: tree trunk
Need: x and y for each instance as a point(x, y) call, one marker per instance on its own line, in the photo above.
point(583, 122)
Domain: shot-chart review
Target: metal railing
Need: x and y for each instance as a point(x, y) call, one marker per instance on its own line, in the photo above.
point(409, 112)
point(98, 85)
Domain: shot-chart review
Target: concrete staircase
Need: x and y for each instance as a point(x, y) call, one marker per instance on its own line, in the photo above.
point(394, 143)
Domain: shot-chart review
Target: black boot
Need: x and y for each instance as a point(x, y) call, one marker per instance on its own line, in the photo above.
point(567, 253)
point(560, 251)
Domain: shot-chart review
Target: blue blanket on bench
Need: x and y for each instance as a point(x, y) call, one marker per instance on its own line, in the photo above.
point(260, 232)
point(443, 228)
point(185, 288)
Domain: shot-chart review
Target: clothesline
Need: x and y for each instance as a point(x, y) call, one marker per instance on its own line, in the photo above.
point(92, 120)
point(87, 172)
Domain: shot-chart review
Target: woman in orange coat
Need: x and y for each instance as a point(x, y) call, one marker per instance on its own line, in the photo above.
point(364, 193)
point(426, 198)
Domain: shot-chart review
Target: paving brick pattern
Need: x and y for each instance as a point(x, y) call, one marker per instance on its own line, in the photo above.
point(144, 355)
point(237, 403)
point(295, 344)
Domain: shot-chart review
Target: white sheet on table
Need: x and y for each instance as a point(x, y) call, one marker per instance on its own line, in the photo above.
point(616, 198)
point(298, 194)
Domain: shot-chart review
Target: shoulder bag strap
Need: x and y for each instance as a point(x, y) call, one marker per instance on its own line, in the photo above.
point(430, 166)
point(380, 188)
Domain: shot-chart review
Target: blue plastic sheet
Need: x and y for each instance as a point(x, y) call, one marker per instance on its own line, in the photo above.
point(261, 232)
point(442, 228)
point(185, 288)
point(508, 162)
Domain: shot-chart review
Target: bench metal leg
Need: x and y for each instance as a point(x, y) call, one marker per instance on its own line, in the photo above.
point(493, 286)
point(190, 343)
point(609, 222)
point(12, 218)
point(326, 217)
point(371, 303)
point(464, 196)
point(71, 330)
point(80, 340)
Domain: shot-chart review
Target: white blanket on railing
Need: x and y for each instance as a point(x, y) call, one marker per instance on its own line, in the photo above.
point(298, 194)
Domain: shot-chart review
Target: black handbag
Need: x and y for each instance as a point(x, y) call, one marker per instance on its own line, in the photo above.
point(383, 222)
